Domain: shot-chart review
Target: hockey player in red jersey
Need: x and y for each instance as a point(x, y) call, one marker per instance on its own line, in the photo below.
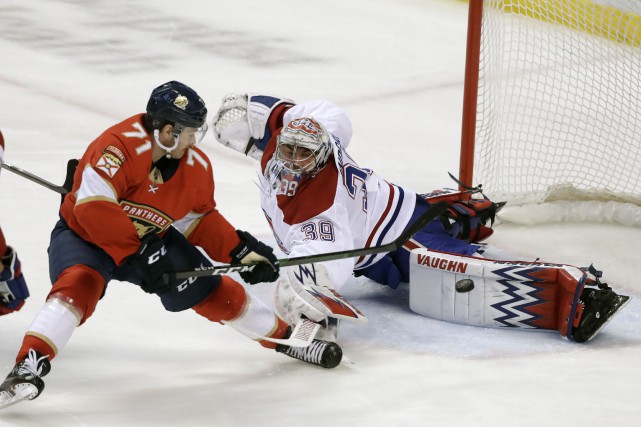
point(140, 206)
point(317, 199)
point(13, 288)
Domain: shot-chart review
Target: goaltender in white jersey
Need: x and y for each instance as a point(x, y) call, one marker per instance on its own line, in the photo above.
point(317, 199)
point(347, 207)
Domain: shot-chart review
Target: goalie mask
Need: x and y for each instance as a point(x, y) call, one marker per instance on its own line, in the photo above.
point(303, 147)
point(179, 105)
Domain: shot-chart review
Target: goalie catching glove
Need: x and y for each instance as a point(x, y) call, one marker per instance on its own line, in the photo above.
point(241, 122)
point(252, 251)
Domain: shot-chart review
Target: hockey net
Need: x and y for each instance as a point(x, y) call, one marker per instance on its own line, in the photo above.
point(552, 107)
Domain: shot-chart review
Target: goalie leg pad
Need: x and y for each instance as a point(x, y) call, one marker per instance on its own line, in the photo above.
point(512, 294)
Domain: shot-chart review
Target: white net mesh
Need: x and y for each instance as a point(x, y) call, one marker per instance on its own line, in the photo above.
point(559, 103)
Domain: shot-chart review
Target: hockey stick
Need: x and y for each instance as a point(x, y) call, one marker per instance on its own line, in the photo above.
point(31, 177)
point(467, 188)
point(302, 336)
point(432, 213)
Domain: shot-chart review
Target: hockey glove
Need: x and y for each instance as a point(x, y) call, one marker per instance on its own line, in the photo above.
point(466, 220)
point(295, 298)
point(252, 251)
point(241, 122)
point(153, 265)
point(72, 165)
point(13, 288)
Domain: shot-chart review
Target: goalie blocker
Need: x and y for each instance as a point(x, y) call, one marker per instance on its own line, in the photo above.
point(511, 294)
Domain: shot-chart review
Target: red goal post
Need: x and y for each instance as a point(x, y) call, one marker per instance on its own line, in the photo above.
point(552, 100)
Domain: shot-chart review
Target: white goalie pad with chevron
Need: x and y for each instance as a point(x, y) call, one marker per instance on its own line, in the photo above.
point(501, 294)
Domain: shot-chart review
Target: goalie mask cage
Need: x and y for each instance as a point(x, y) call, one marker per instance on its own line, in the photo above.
point(552, 106)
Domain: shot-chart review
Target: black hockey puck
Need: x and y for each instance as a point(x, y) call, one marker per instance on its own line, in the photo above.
point(464, 285)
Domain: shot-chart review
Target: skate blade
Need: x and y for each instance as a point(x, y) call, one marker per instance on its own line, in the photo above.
point(17, 395)
point(623, 301)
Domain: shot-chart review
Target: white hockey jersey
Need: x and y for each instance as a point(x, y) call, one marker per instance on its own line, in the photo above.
point(343, 207)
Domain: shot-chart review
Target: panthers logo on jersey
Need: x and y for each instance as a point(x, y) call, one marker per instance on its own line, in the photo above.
point(146, 219)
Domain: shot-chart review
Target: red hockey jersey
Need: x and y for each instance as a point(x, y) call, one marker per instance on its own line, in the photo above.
point(118, 196)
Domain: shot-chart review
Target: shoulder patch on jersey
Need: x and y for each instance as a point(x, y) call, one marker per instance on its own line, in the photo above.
point(116, 151)
point(109, 163)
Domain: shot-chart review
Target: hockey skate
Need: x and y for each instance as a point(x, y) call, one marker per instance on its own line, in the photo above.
point(322, 353)
point(25, 380)
point(600, 306)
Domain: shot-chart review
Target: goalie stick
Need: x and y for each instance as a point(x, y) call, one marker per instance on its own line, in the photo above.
point(432, 213)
